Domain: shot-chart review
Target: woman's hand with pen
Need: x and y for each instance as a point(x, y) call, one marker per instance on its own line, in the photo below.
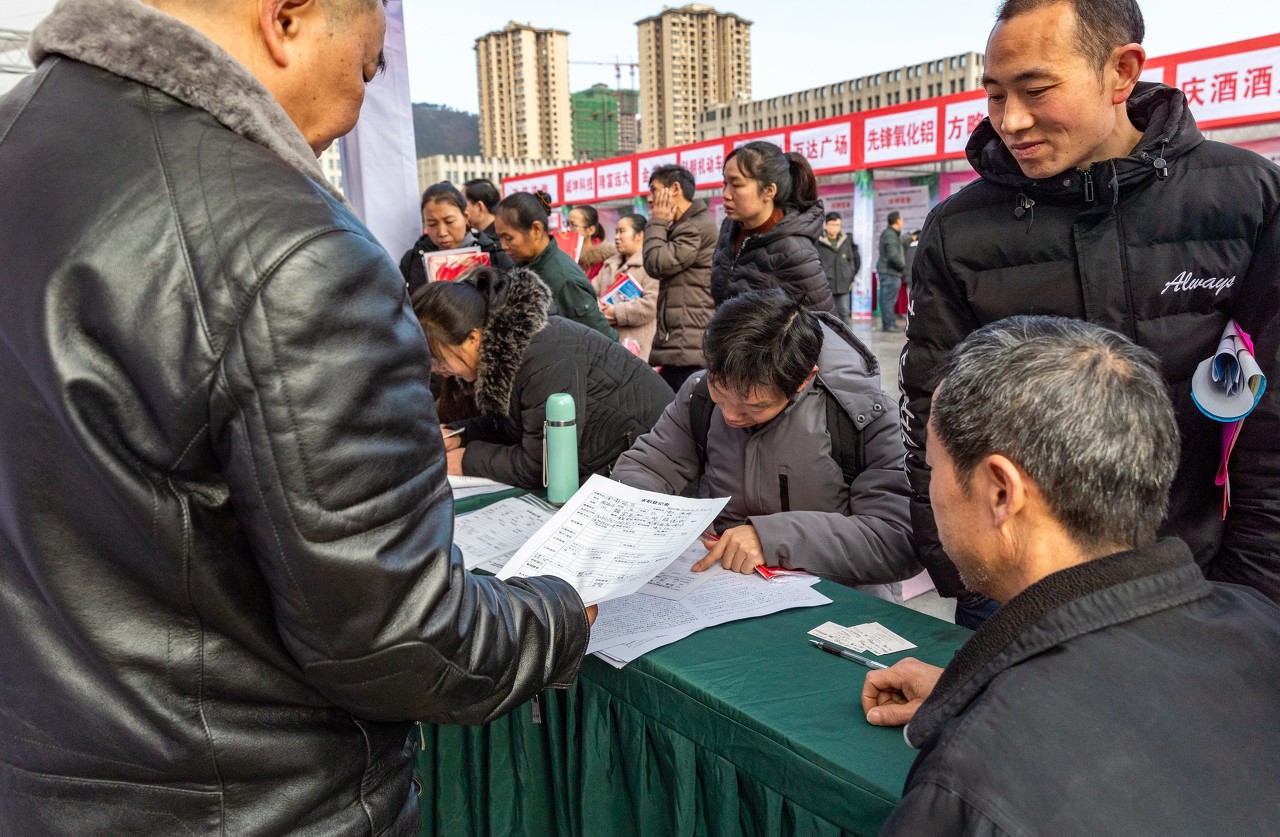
point(452, 437)
point(736, 549)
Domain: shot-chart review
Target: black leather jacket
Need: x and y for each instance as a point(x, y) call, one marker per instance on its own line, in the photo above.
point(225, 531)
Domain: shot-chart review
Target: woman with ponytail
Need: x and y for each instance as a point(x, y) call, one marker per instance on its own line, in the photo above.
point(585, 220)
point(495, 330)
point(770, 233)
point(521, 222)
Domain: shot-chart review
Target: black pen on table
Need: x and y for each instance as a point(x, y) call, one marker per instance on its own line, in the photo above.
point(847, 654)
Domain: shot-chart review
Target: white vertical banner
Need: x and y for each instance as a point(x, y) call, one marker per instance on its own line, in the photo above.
point(613, 180)
point(580, 185)
point(545, 182)
point(379, 157)
point(706, 163)
point(779, 140)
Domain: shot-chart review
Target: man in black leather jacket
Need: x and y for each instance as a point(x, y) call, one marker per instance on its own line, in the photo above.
point(225, 531)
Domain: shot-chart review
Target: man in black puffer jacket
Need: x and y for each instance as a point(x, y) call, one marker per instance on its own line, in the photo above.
point(1100, 200)
point(225, 530)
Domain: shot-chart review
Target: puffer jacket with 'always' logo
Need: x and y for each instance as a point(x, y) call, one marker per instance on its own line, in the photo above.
point(1164, 254)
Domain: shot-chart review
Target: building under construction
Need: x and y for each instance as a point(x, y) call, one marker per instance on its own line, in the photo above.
point(604, 122)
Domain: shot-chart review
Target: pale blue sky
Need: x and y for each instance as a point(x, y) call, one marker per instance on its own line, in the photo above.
point(792, 46)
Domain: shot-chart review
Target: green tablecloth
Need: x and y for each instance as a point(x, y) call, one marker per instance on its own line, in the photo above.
point(740, 729)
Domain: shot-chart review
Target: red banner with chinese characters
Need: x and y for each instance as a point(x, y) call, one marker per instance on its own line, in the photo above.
point(1229, 85)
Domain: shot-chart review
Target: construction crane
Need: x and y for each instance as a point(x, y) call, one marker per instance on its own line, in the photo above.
point(626, 104)
point(13, 51)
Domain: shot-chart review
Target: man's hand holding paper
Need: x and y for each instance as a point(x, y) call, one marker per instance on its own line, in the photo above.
point(610, 539)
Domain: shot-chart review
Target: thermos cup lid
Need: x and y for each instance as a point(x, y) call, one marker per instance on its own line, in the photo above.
point(560, 408)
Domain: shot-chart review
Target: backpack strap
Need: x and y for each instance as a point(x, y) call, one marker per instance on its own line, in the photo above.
point(848, 443)
point(700, 409)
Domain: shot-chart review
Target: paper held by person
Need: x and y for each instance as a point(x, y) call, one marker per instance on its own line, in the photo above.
point(610, 539)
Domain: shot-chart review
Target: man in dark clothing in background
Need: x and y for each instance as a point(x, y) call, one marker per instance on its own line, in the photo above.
point(889, 269)
point(482, 198)
point(840, 261)
point(679, 242)
point(1118, 691)
point(1097, 194)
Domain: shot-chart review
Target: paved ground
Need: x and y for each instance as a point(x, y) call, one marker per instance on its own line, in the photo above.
point(887, 348)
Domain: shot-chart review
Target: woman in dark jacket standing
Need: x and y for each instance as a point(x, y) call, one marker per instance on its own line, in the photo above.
point(444, 227)
point(769, 237)
point(494, 329)
point(521, 220)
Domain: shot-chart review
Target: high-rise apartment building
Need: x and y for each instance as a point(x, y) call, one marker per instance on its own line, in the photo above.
point(524, 93)
point(691, 57)
point(940, 77)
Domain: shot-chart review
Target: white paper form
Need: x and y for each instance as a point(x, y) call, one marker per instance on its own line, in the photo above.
point(632, 651)
point(464, 487)
point(495, 532)
point(610, 539)
point(629, 627)
point(678, 579)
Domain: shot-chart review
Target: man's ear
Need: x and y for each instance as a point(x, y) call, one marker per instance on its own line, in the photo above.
point(1124, 70)
point(282, 21)
point(1002, 487)
point(813, 373)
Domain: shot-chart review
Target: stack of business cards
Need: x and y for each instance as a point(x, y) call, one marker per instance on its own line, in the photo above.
point(868, 638)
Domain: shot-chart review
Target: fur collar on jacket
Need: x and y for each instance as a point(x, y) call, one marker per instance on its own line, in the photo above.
point(594, 254)
point(508, 329)
point(139, 43)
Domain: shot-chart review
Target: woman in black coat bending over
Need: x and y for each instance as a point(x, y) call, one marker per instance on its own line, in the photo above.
point(494, 329)
point(769, 237)
point(444, 227)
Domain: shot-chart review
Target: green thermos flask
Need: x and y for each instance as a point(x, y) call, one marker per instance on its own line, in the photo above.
point(560, 449)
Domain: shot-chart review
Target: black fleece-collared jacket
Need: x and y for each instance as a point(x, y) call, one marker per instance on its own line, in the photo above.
point(1123, 696)
point(1165, 246)
point(786, 257)
point(527, 355)
point(227, 583)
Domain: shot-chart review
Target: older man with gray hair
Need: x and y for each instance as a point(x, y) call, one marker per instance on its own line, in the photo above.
point(225, 528)
point(1116, 691)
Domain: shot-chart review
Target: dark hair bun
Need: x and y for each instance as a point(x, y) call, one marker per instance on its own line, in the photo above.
point(492, 285)
point(544, 199)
